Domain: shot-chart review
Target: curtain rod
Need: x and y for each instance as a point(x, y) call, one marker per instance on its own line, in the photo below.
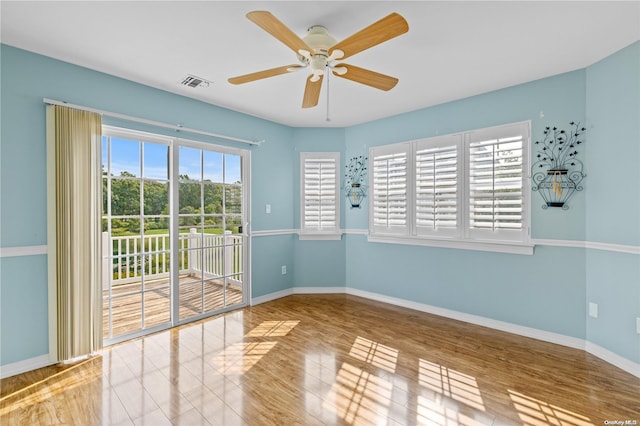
point(178, 127)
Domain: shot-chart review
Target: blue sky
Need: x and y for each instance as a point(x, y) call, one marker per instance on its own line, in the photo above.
point(125, 156)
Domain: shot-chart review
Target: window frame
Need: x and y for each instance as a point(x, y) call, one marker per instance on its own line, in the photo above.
point(464, 236)
point(318, 232)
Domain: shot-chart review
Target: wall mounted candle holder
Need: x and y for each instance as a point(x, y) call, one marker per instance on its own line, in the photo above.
point(557, 172)
point(355, 186)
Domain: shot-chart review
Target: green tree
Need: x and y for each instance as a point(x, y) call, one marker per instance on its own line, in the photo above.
point(125, 195)
point(212, 198)
point(156, 198)
point(189, 193)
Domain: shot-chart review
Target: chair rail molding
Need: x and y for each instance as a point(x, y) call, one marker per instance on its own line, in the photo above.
point(23, 251)
point(593, 245)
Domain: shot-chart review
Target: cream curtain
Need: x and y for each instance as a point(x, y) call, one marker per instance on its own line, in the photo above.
point(77, 235)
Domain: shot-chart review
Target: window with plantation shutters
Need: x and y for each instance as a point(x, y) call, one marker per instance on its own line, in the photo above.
point(468, 190)
point(389, 195)
point(438, 179)
point(320, 196)
point(495, 183)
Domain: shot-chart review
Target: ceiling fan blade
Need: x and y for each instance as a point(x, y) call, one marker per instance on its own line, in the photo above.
point(385, 29)
point(277, 29)
point(241, 79)
point(312, 92)
point(368, 77)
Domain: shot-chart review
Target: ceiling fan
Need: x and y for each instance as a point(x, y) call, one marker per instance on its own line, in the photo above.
point(320, 52)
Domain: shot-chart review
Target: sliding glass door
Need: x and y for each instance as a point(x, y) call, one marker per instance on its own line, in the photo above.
point(174, 246)
point(135, 235)
point(211, 242)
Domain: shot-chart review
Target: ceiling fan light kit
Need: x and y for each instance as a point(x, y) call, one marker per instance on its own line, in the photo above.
point(319, 52)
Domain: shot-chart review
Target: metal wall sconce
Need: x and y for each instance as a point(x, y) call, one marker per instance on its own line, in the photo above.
point(355, 187)
point(557, 172)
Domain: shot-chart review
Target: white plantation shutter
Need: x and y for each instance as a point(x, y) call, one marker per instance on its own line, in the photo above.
point(496, 182)
point(320, 192)
point(466, 190)
point(389, 183)
point(438, 182)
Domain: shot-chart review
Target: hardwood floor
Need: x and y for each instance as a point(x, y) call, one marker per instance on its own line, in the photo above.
point(326, 359)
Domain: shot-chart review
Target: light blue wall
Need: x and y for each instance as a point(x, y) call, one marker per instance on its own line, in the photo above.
point(26, 79)
point(543, 291)
point(613, 283)
point(24, 329)
point(268, 254)
point(525, 290)
point(613, 148)
point(318, 263)
point(613, 200)
point(547, 291)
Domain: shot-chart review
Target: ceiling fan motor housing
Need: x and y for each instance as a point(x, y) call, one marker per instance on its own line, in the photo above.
point(319, 40)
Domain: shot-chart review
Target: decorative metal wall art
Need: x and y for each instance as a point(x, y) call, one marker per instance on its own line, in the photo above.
point(557, 172)
point(355, 186)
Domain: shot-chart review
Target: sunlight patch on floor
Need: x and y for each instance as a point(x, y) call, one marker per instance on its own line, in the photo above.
point(86, 373)
point(272, 329)
point(534, 412)
point(375, 354)
point(359, 397)
point(238, 358)
point(451, 383)
point(433, 413)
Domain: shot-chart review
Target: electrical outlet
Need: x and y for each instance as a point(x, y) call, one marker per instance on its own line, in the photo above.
point(284, 269)
point(267, 208)
point(593, 310)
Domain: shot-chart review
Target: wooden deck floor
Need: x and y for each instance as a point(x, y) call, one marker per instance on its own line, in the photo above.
point(128, 299)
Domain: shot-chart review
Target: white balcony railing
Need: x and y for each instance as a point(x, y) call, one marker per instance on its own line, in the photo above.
point(204, 255)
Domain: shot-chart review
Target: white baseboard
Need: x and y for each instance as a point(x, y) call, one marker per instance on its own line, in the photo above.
point(534, 333)
point(520, 330)
point(271, 296)
point(613, 358)
point(318, 290)
point(295, 290)
point(24, 366)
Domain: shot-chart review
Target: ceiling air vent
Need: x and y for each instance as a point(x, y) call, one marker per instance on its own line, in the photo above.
point(193, 81)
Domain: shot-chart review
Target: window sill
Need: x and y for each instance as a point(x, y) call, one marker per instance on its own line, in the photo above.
point(491, 246)
point(320, 237)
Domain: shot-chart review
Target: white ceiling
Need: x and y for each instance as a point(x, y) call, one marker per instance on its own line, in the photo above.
point(453, 49)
